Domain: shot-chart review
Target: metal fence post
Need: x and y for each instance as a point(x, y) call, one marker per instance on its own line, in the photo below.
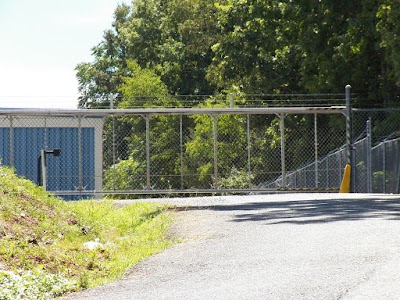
point(11, 155)
point(384, 168)
point(283, 158)
point(349, 129)
point(369, 159)
point(44, 159)
point(80, 153)
point(316, 151)
point(231, 100)
point(327, 173)
point(113, 142)
point(148, 181)
point(340, 168)
point(249, 150)
point(45, 142)
point(398, 178)
point(181, 147)
point(215, 137)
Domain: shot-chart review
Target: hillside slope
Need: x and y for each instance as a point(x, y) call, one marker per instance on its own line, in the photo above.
point(88, 242)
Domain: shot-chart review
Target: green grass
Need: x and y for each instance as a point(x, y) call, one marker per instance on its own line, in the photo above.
point(42, 233)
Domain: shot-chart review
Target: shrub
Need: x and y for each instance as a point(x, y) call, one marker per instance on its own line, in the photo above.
point(33, 285)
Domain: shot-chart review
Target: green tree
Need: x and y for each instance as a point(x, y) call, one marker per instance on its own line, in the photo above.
point(143, 88)
point(256, 51)
point(172, 38)
point(163, 133)
point(160, 48)
point(231, 145)
point(232, 148)
point(389, 29)
point(190, 29)
point(308, 47)
point(340, 45)
point(99, 80)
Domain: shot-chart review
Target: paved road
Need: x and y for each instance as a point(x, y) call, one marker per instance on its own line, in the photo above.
point(287, 246)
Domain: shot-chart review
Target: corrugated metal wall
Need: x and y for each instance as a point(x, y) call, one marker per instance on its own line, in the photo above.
point(62, 171)
point(5, 146)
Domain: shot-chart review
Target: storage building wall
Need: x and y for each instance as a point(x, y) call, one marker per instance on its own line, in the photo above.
point(79, 165)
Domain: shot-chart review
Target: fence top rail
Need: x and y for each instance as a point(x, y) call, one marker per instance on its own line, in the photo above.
point(173, 111)
point(390, 109)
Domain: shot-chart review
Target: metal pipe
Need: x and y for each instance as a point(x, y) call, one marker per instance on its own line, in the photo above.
point(369, 156)
point(45, 144)
point(44, 168)
point(174, 111)
point(349, 138)
point(195, 191)
point(283, 158)
point(384, 168)
point(340, 168)
point(249, 150)
point(215, 142)
point(42, 165)
point(39, 173)
point(327, 173)
point(398, 178)
point(80, 155)
point(348, 123)
point(11, 141)
point(181, 146)
point(148, 180)
point(113, 142)
point(316, 151)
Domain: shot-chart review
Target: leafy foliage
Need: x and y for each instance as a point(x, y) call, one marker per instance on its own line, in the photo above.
point(267, 46)
point(200, 47)
point(200, 148)
point(236, 180)
point(389, 29)
point(33, 285)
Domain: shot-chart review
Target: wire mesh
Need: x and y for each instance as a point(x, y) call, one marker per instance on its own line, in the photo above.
point(203, 150)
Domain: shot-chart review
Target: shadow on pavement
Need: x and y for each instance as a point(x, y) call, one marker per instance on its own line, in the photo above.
point(310, 211)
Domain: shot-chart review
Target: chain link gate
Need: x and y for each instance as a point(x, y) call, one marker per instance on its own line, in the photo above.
point(219, 150)
point(178, 151)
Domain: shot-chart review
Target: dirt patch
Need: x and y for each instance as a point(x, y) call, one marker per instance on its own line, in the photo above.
point(192, 224)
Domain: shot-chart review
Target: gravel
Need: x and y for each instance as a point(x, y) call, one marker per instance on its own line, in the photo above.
point(285, 246)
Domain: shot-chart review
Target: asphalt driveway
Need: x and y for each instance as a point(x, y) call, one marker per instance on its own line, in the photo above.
point(286, 246)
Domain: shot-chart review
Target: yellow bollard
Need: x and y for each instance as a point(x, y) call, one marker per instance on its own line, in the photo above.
point(345, 186)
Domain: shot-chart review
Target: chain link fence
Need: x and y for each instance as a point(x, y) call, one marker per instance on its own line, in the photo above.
point(375, 154)
point(376, 151)
point(212, 150)
point(191, 151)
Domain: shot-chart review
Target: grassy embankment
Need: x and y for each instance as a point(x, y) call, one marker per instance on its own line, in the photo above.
point(42, 252)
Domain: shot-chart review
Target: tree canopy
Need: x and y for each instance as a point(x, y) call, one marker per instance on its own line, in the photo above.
point(202, 47)
point(158, 49)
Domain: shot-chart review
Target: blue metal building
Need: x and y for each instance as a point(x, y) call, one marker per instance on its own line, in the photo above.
point(79, 168)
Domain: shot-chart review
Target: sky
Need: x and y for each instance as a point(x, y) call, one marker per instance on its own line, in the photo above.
point(41, 42)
